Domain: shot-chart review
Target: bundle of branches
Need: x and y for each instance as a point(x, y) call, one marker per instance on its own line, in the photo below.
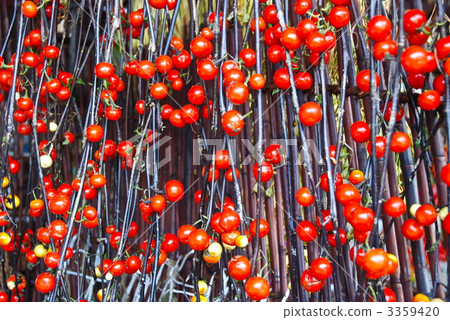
point(261, 150)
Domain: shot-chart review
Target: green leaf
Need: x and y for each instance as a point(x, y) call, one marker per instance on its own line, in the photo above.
point(66, 142)
point(269, 192)
point(433, 247)
point(80, 81)
point(345, 173)
point(417, 143)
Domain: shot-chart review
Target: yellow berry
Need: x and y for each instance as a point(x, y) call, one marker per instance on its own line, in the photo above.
point(5, 182)
point(413, 209)
point(11, 203)
point(40, 251)
point(215, 249)
point(202, 287)
point(202, 299)
point(5, 239)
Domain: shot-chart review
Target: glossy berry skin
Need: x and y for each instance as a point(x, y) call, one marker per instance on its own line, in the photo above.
point(29, 9)
point(229, 221)
point(394, 207)
point(310, 113)
point(257, 288)
point(445, 174)
point(306, 231)
point(412, 230)
point(332, 238)
point(198, 240)
point(126, 149)
point(158, 4)
point(316, 42)
point(165, 112)
point(356, 177)
point(174, 190)
point(439, 82)
point(339, 16)
point(381, 48)
point(207, 33)
point(429, 100)
point(94, 133)
point(145, 69)
point(426, 214)
point(311, 283)
point(90, 213)
point(276, 53)
point(362, 219)
point(229, 238)
point(51, 260)
point(233, 75)
point(363, 80)
point(182, 60)
point(375, 260)
point(419, 38)
point(237, 92)
point(270, 14)
point(261, 23)
point(360, 131)
point(190, 114)
point(303, 80)
point(389, 295)
point(387, 113)
point(170, 243)
point(380, 146)
point(414, 59)
point(272, 154)
point(305, 27)
point(264, 228)
point(232, 122)
point(196, 95)
point(51, 52)
point(446, 70)
point(324, 183)
point(104, 70)
point(314, 58)
point(302, 6)
point(222, 159)
point(159, 90)
point(45, 282)
point(158, 203)
point(164, 64)
point(281, 78)
point(321, 268)
point(446, 224)
point(201, 47)
point(248, 56)
point(239, 268)
point(176, 118)
point(184, 232)
point(304, 197)
point(266, 171)
point(400, 142)
point(347, 193)
point(379, 28)
point(59, 204)
point(413, 19)
point(290, 39)
point(58, 229)
point(257, 81)
point(443, 47)
point(207, 70)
